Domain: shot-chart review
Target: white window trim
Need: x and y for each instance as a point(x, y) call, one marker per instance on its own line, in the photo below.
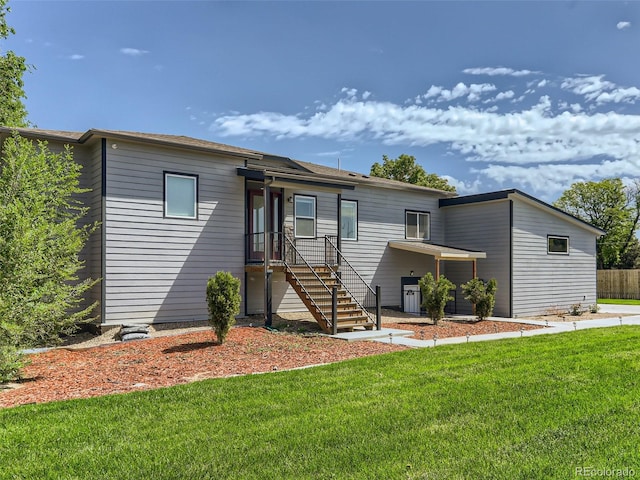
point(296, 216)
point(560, 237)
point(195, 195)
point(428, 215)
point(349, 239)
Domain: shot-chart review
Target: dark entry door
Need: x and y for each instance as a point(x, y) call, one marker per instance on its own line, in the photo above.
point(257, 224)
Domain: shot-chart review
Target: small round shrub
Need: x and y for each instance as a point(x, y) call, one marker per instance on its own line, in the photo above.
point(223, 300)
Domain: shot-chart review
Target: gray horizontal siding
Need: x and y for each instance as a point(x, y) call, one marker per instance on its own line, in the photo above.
point(88, 157)
point(543, 283)
point(484, 227)
point(157, 268)
point(381, 217)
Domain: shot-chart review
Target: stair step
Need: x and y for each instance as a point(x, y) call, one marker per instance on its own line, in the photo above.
point(305, 269)
point(350, 325)
point(343, 302)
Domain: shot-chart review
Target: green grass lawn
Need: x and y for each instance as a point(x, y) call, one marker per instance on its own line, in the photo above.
point(618, 301)
point(528, 408)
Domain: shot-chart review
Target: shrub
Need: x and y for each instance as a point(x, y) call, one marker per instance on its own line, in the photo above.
point(482, 295)
point(223, 299)
point(435, 295)
point(575, 310)
point(595, 308)
point(11, 362)
point(42, 283)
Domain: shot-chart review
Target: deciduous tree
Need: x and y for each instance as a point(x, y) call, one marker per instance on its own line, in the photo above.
point(405, 169)
point(12, 67)
point(41, 294)
point(611, 206)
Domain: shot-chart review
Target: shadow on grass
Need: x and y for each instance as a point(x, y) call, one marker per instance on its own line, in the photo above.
point(190, 347)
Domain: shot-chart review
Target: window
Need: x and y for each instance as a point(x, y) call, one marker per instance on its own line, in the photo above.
point(180, 195)
point(558, 245)
point(349, 220)
point(417, 225)
point(304, 216)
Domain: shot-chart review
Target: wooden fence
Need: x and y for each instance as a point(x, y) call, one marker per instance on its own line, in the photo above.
point(619, 284)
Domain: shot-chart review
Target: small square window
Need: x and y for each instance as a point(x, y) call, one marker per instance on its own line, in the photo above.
point(558, 245)
point(180, 195)
point(417, 225)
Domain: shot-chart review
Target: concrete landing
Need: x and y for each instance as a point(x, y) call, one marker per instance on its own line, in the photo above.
point(385, 333)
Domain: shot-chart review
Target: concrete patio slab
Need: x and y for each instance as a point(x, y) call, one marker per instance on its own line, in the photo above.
point(358, 335)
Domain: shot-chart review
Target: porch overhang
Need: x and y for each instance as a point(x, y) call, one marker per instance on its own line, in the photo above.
point(292, 180)
point(439, 252)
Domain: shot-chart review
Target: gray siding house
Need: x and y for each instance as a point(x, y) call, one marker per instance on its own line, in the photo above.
point(542, 257)
point(175, 210)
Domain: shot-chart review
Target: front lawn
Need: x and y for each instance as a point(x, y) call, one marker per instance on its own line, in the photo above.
point(618, 301)
point(552, 406)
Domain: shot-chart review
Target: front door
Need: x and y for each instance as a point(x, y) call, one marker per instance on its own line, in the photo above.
point(257, 225)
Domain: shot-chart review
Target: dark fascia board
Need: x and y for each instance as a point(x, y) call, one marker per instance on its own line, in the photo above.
point(478, 198)
point(505, 194)
point(261, 175)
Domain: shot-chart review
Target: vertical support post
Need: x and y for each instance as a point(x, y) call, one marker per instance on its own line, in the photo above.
point(334, 310)
point(339, 241)
point(437, 269)
point(269, 306)
point(475, 269)
point(378, 308)
point(267, 254)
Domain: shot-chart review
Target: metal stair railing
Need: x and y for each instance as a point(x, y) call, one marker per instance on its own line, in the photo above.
point(359, 290)
point(291, 257)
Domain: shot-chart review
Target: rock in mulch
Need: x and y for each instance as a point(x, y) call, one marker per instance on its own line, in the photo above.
point(130, 332)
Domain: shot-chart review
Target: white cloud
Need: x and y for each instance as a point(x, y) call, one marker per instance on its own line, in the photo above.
point(366, 95)
point(349, 92)
point(473, 92)
point(540, 145)
point(594, 88)
point(505, 95)
point(554, 179)
point(334, 153)
point(462, 187)
point(76, 56)
point(133, 52)
point(494, 71)
point(542, 83)
point(623, 25)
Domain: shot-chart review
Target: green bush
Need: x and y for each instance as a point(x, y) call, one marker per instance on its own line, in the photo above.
point(223, 299)
point(42, 234)
point(576, 310)
point(11, 362)
point(482, 295)
point(435, 295)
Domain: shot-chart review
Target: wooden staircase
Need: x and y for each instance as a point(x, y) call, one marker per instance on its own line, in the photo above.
point(314, 285)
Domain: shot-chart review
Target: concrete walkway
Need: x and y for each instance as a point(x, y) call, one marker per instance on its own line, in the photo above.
point(399, 337)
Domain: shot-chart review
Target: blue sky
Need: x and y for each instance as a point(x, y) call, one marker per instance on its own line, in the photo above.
point(491, 95)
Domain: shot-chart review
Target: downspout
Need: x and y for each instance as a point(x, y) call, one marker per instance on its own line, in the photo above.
point(510, 258)
point(103, 231)
point(246, 243)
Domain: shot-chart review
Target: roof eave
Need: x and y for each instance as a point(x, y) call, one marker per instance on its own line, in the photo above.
point(168, 143)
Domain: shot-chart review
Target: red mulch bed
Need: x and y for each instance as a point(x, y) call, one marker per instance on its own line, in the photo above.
point(446, 329)
point(63, 373)
point(66, 373)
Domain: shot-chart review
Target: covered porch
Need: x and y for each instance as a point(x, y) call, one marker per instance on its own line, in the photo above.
point(441, 253)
